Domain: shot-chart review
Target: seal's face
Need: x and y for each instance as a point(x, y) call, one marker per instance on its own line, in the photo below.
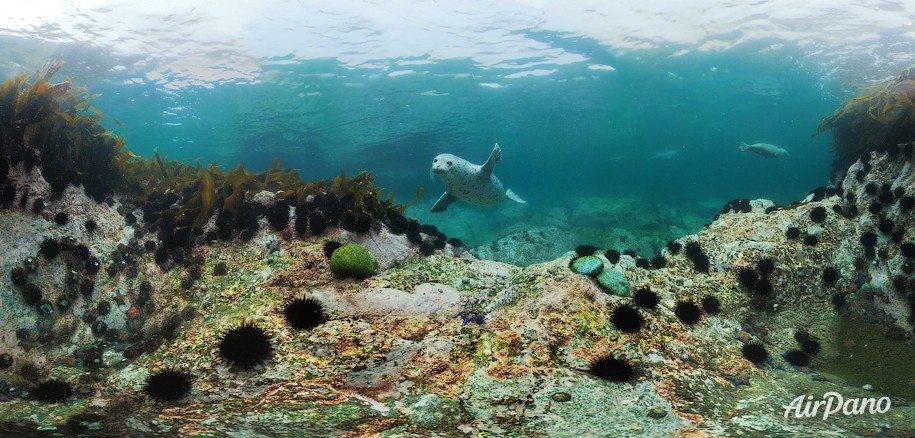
point(443, 163)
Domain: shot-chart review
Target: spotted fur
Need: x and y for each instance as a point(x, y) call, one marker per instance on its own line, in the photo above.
point(470, 182)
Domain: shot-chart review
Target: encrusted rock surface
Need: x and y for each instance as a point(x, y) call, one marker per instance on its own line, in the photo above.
point(398, 355)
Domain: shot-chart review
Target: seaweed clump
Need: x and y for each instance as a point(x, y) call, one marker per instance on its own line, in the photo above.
point(53, 126)
point(878, 119)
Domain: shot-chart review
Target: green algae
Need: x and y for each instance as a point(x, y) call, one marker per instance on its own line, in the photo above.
point(353, 260)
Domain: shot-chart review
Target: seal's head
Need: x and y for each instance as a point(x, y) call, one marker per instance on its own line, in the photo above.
point(443, 163)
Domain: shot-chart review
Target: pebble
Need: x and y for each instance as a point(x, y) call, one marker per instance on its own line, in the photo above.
point(561, 397)
point(657, 413)
point(868, 387)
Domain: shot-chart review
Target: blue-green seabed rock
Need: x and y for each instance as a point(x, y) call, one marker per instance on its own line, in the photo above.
point(613, 282)
point(587, 265)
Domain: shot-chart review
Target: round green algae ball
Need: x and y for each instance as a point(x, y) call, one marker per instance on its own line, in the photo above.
point(353, 260)
point(587, 265)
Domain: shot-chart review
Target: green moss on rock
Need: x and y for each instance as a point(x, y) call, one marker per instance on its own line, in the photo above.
point(353, 260)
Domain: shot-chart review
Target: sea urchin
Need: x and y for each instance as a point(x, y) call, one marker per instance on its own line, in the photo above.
point(613, 369)
point(627, 319)
point(304, 313)
point(645, 298)
point(245, 346)
point(168, 385)
point(52, 391)
point(688, 312)
point(755, 352)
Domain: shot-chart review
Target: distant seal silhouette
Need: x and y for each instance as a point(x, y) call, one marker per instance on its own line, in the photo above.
point(469, 182)
point(765, 150)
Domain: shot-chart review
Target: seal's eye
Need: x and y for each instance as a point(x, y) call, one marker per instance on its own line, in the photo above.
point(435, 160)
point(449, 163)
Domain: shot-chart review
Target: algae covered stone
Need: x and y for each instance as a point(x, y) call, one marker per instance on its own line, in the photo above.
point(587, 265)
point(614, 282)
point(353, 260)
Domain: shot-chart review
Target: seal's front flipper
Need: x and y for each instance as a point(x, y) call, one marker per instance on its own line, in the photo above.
point(494, 157)
point(511, 195)
point(443, 202)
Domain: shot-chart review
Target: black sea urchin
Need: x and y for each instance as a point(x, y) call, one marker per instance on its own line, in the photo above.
point(52, 391)
point(61, 218)
point(747, 277)
point(797, 358)
point(168, 385)
point(245, 346)
point(19, 276)
point(838, 299)
point(830, 275)
point(49, 248)
point(868, 239)
point(711, 305)
point(317, 223)
point(613, 256)
point(688, 312)
point(818, 214)
point(613, 369)
point(886, 226)
point(627, 319)
point(585, 250)
point(755, 352)
point(763, 287)
point(330, 246)
point(645, 298)
point(6, 361)
point(810, 346)
point(765, 266)
point(304, 313)
point(907, 250)
point(673, 247)
point(793, 233)
point(659, 262)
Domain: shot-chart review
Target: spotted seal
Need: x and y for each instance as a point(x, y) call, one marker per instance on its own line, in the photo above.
point(469, 182)
point(765, 150)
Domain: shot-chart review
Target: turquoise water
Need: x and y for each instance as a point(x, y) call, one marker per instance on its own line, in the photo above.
point(582, 112)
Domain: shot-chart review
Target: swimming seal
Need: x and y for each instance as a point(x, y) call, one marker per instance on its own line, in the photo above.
point(470, 182)
point(764, 149)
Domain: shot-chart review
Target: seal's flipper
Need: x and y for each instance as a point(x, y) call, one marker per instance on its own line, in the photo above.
point(511, 195)
point(443, 202)
point(494, 157)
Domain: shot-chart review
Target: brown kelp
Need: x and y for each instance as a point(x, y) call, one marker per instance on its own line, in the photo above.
point(878, 119)
point(53, 126)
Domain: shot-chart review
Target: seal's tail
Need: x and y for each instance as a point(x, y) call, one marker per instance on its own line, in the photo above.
point(744, 146)
point(511, 195)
